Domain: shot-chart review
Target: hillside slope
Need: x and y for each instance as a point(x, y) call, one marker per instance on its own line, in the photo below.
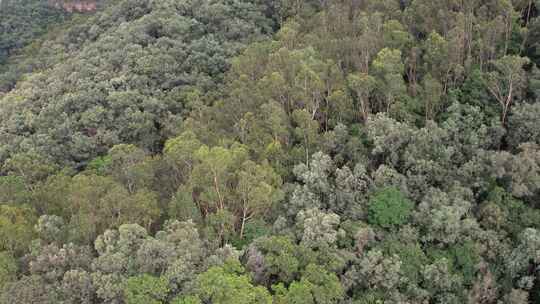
point(123, 75)
point(22, 21)
point(274, 152)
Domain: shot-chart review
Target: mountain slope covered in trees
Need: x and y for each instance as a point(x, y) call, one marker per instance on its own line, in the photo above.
point(256, 151)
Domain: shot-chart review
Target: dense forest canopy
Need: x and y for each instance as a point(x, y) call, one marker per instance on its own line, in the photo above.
point(270, 151)
point(23, 20)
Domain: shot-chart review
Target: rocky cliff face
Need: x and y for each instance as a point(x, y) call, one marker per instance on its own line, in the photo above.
point(80, 6)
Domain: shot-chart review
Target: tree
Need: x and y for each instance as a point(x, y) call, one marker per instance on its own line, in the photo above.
point(516, 296)
point(297, 293)
point(229, 189)
point(506, 82)
point(396, 35)
point(409, 251)
point(227, 285)
point(13, 190)
point(50, 195)
point(186, 300)
point(389, 208)
point(280, 260)
point(183, 205)
point(317, 286)
point(115, 263)
point(51, 261)
point(389, 68)
point(318, 229)
point(441, 283)
point(29, 289)
point(32, 167)
point(316, 190)
point(77, 287)
point(446, 217)
point(362, 85)
point(51, 229)
point(173, 258)
point(525, 257)
point(145, 289)
point(363, 45)
point(523, 124)
point(126, 164)
point(179, 153)
point(437, 59)
point(99, 203)
point(375, 271)
point(306, 132)
point(522, 169)
point(16, 228)
point(258, 188)
point(212, 173)
point(220, 226)
point(8, 268)
point(431, 93)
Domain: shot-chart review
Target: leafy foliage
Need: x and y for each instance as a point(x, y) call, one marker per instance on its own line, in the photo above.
point(254, 151)
point(389, 208)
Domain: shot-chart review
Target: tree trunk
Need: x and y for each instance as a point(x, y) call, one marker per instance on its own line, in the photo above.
point(243, 223)
point(218, 192)
point(363, 111)
point(507, 104)
point(524, 43)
